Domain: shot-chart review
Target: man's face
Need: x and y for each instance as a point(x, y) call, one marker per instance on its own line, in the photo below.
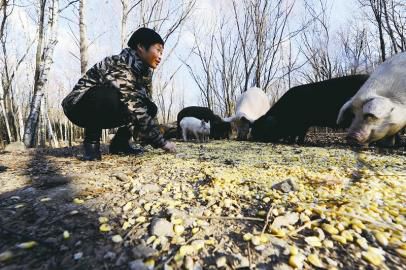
point(152, 56)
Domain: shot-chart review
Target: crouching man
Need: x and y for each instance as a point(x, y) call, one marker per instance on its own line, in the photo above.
point(116, 92)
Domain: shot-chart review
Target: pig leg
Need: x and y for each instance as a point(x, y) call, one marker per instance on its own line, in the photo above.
point(196, 136)
point(184, 133)
point(388, 142)
point(398, 139)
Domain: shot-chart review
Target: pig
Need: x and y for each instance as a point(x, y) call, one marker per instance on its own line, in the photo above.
point(196, 126)
point(219, 129)
point(304, 106)
point(251, 105)
point(378, 110)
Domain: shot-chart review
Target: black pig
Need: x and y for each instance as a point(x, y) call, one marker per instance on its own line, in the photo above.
point(304, 106)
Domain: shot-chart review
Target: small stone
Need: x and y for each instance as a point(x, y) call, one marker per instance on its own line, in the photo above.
point(78, 256)
point(285, 220)
point(243, 262)
point(150, 188)
point(109, 256)
point(161, 227)
point(141, 252)
point(137, 265)
point(286, 186)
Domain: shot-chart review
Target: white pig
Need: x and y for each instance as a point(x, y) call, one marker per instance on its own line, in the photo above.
point(379, 107)
point(251, 105)
point(195, 126)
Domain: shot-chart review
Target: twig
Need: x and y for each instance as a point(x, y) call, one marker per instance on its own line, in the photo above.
point(229, 218)
point(132, 229)
point(249, 256)
point(304, 226)
point(268, 215)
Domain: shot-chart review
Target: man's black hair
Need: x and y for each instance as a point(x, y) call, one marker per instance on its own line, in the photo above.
point(145, 37)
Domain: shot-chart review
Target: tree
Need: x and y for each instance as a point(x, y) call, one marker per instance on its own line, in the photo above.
point(44, 55)
point(83, 37)
point(127, 8)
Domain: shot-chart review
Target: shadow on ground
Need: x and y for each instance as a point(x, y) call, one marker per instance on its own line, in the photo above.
point(41, 212)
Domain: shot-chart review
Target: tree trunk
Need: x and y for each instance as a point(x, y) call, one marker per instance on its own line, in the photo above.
point(43, 66)
point(83, 37)
point(3, 110)
point(124, 15)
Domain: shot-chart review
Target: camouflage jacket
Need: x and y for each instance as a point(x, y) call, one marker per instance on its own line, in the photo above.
point(133, 78)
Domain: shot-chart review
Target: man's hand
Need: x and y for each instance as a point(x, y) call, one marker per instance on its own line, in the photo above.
point(169, 147)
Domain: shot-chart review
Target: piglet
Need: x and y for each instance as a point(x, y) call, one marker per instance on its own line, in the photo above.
point(199, 128)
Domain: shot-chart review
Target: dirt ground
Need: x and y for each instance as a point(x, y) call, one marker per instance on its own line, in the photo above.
point(221, 205)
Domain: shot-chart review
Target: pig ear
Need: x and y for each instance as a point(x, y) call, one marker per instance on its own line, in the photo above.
point(378, 107)
point(344, 112)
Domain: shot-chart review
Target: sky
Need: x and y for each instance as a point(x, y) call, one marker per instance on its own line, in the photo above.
point(103, 28)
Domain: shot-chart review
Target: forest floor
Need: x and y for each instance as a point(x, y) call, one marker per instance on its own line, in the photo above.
point(224, 204)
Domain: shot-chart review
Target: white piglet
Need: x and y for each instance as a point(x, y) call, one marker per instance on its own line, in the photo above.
point(199, 128)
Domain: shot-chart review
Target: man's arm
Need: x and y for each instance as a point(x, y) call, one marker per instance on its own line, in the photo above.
point(140, 107)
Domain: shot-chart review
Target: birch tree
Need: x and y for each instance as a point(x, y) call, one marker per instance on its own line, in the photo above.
point(44, 55)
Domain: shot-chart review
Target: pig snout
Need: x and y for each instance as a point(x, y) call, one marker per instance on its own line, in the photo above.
point(357, 137)
point(353, 139)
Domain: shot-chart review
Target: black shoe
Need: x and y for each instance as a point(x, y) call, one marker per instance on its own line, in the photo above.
point(120, 144)
point(92, 151)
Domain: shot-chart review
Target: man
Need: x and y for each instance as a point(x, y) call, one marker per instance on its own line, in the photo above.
point(117, 92)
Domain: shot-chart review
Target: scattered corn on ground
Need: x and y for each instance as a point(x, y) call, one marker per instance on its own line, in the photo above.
point(232, 205)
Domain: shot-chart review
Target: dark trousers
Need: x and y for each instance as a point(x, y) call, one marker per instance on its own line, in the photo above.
point(100, 107)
